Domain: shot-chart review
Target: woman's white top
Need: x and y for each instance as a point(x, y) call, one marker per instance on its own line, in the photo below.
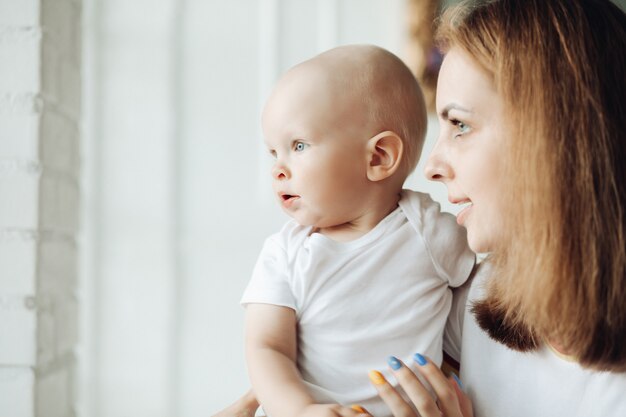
point(506, 383)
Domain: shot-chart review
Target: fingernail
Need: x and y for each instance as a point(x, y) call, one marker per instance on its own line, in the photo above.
point(358, 408)
point(458, 381)
point(376, 377)
point(394, 363)
point(419, 359)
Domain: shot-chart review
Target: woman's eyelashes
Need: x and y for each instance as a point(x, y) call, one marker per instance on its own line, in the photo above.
point(460, 128)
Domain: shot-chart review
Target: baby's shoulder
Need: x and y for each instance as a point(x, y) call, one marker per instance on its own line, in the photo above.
point(289, 237)
point(422, 209)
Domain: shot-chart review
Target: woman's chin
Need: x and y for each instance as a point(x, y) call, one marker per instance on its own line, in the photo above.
point(478, 244)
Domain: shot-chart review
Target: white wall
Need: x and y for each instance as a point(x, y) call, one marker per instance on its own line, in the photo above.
point(39, 195)
point(177, 194)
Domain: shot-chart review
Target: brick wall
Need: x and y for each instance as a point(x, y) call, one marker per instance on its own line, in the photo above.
point(39, 195)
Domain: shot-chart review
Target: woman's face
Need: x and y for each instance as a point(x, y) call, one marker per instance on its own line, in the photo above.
point(468, 155)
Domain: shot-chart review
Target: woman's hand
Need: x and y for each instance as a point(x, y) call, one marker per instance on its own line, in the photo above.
point(245, 406)
point(451, 401)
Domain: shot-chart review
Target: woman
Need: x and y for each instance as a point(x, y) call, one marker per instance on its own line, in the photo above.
point(531, 104)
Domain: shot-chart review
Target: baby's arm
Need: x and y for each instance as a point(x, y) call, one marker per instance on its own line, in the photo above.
point(271, 350)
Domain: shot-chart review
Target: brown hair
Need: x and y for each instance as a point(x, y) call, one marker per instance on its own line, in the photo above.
point(560, 66)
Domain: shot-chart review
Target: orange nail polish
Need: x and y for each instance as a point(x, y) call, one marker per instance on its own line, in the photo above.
point(377, 378)
point(358, 408)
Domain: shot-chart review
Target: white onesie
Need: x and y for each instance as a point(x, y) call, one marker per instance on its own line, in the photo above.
point(356, 303)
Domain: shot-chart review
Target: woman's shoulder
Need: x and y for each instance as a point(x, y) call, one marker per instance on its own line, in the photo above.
point(503, 381)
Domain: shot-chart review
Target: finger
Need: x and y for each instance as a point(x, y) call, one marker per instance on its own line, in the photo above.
point(446, 395)
point(464, 400)
point(340, 411)
point(391, 397)
point(354, 411)
point(363, 412)
point(417, 393)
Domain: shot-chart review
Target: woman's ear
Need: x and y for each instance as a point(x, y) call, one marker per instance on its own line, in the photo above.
point(384, 153)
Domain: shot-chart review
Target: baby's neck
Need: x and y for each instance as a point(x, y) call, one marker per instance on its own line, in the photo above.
point(374, 211)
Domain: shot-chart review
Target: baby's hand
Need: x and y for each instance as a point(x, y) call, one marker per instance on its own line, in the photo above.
point(331, 410)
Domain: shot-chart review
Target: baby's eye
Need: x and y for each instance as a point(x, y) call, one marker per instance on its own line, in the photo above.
point(300, 146)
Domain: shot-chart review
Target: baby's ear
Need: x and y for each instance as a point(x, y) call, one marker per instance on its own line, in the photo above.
point(384, 153)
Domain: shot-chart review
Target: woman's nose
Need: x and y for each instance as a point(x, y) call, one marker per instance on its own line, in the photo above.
point(280, 171)
point(437, 168)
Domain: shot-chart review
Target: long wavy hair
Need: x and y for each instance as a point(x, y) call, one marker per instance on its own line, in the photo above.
point(559, 274)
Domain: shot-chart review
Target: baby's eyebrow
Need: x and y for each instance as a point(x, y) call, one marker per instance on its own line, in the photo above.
point(452, 106)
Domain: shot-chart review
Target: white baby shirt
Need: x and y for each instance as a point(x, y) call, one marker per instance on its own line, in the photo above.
point(356, 303)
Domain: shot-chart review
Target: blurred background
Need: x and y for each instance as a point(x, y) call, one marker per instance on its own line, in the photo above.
point(135, 188)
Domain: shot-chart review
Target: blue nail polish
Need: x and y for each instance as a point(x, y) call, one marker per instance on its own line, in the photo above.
point(394, 363)
point(458, 381)
point(419, 359)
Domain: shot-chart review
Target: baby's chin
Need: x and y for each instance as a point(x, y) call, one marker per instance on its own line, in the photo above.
point(301, 218)
point(308, 220)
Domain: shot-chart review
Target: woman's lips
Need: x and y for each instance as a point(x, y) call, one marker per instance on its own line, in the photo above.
point(460, 218)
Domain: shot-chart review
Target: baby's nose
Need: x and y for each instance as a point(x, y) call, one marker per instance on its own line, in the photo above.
point(279, 171)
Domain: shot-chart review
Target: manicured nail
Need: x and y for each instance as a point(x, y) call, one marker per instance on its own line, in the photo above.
point(377, 378)
point(419, 359)
point(394, 363)
point(458, 381)
point(358, 408)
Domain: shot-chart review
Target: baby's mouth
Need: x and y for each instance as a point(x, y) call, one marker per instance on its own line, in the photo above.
point(288, 200)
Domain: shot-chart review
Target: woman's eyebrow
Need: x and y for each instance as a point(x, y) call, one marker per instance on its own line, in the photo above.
point(452, 106)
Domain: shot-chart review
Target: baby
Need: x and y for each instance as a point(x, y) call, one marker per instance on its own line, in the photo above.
point(364, 269)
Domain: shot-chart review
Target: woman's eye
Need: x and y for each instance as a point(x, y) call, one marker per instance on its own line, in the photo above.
point(300, 146)
point(461, 128)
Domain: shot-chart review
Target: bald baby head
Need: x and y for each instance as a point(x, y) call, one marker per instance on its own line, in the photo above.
point(369, 88)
